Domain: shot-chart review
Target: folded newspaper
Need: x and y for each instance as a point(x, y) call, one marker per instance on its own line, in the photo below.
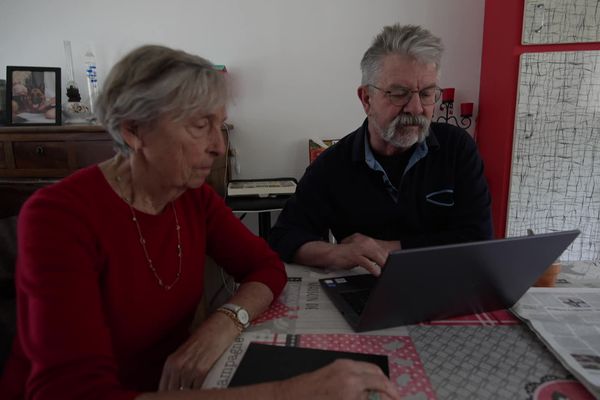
point(567, 320)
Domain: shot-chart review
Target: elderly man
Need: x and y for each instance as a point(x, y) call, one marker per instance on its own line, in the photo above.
point(399, 181)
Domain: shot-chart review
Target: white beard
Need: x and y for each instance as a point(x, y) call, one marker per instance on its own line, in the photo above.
point(398, 135)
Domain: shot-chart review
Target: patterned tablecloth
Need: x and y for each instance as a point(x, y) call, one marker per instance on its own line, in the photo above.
point(483, 356)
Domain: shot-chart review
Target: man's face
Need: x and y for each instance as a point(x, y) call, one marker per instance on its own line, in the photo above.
point(398, 127)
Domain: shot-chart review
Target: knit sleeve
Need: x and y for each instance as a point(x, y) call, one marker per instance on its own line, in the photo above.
point(241, 253)
point(306, 216)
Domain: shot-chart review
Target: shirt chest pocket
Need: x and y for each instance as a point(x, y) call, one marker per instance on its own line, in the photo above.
point(441, 198)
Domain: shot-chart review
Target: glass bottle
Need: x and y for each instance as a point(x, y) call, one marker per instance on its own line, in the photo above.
point(92, 79)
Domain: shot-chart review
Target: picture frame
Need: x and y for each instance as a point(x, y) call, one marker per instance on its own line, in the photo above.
point(33, 96)
point(316, 146)
point(2, 101)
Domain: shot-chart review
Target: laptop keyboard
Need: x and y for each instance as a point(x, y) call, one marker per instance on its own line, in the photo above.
point(357, 299)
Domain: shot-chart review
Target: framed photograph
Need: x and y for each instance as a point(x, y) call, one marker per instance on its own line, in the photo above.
point(317, 146)
point(33, 96)
point(2, 100)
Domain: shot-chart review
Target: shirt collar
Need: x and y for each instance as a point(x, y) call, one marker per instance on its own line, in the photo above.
point(362, 152)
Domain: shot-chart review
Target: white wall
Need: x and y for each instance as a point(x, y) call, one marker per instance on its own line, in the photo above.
point(294, 63)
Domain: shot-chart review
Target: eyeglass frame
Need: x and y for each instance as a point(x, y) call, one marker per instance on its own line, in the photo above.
point(389, 94)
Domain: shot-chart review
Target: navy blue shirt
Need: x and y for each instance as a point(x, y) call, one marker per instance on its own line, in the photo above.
point(442, 196)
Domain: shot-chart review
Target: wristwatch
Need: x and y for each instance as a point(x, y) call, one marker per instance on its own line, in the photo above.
point(238, 314)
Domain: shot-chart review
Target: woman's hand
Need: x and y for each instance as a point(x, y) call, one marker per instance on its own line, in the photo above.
point(187, 367)
point(342, 379)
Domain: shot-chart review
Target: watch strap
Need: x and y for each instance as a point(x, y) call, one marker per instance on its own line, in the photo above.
point(237, 310)
point(233, 317)
point(233, 307)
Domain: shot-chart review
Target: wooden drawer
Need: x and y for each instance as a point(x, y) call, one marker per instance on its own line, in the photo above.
point(41, 155)
point(61, 155)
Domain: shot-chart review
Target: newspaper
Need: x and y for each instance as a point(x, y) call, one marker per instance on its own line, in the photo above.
point(302, 309)
point(304, 316)
point(567, 320)
point(579, 274)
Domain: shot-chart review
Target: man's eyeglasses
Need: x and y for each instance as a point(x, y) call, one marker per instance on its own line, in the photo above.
point(401, 96)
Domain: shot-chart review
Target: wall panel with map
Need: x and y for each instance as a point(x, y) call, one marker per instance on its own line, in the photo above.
point(555, 174)
point(561, 21)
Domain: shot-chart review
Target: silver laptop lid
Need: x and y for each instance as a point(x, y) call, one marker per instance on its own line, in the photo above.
point(443, 281)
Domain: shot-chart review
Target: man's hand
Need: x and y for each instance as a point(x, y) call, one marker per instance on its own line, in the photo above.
point(354, 250)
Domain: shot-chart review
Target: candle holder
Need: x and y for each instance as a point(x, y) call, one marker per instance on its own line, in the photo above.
point(74, 110)
point(447, 107)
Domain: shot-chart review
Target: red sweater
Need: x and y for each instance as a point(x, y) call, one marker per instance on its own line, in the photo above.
point(93, 323)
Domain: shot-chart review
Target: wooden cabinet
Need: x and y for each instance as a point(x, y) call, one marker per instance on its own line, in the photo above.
point(50, 152)
point(3, 163)
point(35, 156)
point(31, 157)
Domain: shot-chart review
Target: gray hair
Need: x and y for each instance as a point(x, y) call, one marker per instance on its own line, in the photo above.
point(405, 40)
point(152, 81)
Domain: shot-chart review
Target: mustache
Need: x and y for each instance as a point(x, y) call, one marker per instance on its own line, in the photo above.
point(409, 119)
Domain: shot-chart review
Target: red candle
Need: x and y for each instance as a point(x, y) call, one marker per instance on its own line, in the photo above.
point(448, 95)
point(466, 109)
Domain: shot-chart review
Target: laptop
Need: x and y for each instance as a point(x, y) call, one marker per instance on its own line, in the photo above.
point(433, 283)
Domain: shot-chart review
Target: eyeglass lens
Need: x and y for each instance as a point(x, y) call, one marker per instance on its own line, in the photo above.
point(427, 96)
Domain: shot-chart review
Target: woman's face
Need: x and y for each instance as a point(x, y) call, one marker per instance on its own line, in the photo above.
point(180, 154)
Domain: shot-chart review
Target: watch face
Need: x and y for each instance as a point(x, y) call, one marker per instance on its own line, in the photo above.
point(243, 316)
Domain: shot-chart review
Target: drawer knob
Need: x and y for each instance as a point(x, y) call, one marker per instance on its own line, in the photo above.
point(39, 150)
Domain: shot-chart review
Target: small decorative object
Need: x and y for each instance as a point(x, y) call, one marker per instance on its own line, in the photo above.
point(448, 95)
point(74, 110)
point(221, 67)
point(92, 77)
point(447, 106)
point(466, 110)
point(33, 96)
point(548, 278)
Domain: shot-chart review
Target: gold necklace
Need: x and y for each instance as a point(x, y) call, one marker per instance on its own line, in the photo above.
point(143, 241)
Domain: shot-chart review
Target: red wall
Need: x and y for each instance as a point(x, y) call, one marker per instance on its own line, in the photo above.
point(498, 95)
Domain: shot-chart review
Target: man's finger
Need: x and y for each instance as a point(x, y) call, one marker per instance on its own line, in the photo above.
point(372, 267)
point(380, 258)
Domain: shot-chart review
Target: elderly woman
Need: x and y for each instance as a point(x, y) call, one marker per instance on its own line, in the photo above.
point(111, 259)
